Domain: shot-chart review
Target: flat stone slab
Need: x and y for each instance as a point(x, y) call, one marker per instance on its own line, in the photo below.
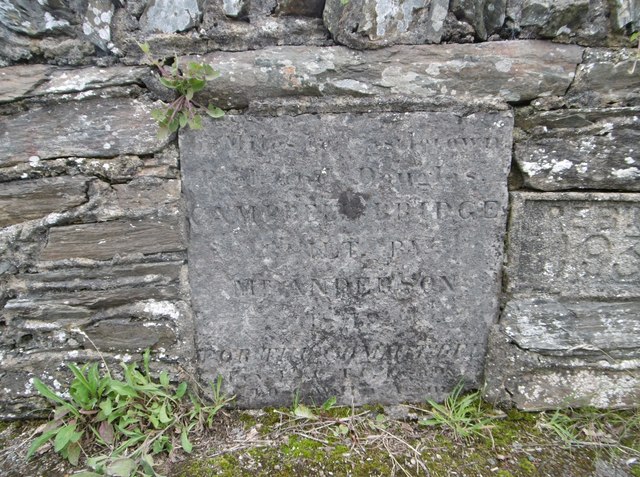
point(90, 128)
point(32, 199)
point(347, 255)
point(106, 240)
point(505, 70)
point(536, 381)
point(575, 244)
point(574, 328)
point(580, 149)
point(606, 77)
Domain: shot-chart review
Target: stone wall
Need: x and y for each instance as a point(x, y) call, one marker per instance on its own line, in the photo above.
point(94, 228)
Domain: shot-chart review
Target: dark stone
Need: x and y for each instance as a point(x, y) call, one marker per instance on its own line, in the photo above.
point(377, 23)
point(36, 18)
point(486, 16)
point(583, 21)
point(606, 78)
point(105, 240)
point(17, 81)
point(305, 8)
point(26, 200)
point(580, 149)
point(129, 335)
point(84, 128)
point(354, 255)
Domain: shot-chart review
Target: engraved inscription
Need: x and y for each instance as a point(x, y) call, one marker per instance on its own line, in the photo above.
point(398, 285)
point(589, 243)
point(351, 206)
point(354, 255)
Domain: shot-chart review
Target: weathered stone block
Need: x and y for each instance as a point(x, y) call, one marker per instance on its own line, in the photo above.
point(575, 245)
point(486, 16)
point(92, 277)
point(100, 128)
point(534, 381)
point(96, 24)
point(25, 16)
point(627, 13)
point(26, 200)
point(114, 335)
point(64, 80)
point(605, 78)
point(105, 240)
point(378, 23)
point(170, 16)
point(508, 71)
point(17, 81)
point(574, 328)
point(582, 21)
point(580, 149)
point(354, 255)
point(307, 8)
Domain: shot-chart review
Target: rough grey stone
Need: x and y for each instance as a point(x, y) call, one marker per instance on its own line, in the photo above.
point(63, 80)
point(580, 149)
point(98, 278)
point(510, 71)
point(17, 81)
point(549, 353)
point(82, 304)
point(33, 199)
point(457, 31)
point(355, 255)
point(486, 16)
point(66, 52)
point(96, 25)
point(234, 8)
point(606, 77)
point(162, 165)
point(627, 14)
point(574, 328)
point(306, 8)
point(259, 9)
point(85, 128)
point(105, 240)
point(574, 244)
point(378, 23)
point(36, 18)
point(169, 16)
point(13, 47)
point(130, 335)
point(582, 21)
point(534, 381)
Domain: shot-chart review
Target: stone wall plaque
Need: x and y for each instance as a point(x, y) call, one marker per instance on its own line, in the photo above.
point(347, 255)
point(575, 244)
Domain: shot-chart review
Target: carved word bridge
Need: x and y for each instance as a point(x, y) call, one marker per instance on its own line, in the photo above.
point(347, 255)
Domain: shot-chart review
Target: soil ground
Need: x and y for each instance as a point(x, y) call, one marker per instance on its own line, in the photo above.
point(376, 441)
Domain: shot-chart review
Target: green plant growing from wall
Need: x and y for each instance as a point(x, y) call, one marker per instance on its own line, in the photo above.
point(127, 420)
point(184, 110)
point(634, 39)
